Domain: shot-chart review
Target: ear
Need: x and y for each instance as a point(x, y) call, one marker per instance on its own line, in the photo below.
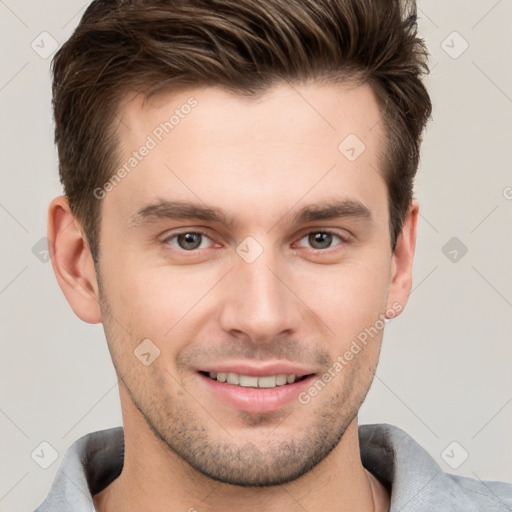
point(72, 261)
point(402, 260)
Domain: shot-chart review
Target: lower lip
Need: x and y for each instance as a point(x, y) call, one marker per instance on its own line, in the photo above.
point(256, 400)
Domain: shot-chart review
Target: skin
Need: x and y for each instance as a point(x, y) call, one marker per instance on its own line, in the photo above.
point(260, 160)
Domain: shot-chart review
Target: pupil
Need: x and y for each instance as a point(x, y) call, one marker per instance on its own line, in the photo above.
point(320, 240)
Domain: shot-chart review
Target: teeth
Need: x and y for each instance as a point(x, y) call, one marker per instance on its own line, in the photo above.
point(267, 382)
point(233, 378)
point(281, 379)
point(249, 381)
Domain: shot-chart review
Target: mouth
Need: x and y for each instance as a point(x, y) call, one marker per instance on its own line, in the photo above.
point(262, 393)
point(252, 381)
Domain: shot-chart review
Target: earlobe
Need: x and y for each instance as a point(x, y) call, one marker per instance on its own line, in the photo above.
point(402, 259)
point(72, 261)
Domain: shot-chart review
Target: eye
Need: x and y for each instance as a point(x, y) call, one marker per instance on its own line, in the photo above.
point(187, 240)
point(319, 240)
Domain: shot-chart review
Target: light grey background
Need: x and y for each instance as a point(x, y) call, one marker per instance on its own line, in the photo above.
point(445, 370)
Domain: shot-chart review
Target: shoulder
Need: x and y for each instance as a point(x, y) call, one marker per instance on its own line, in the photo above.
point(89, 465)
point(417, 482)
point(493, 495)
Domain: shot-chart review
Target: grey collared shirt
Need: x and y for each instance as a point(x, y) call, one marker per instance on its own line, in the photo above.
point(413, 477)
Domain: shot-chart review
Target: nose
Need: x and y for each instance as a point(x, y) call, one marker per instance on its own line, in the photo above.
point(259, 302)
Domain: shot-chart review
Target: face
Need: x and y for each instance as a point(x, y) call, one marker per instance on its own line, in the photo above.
point(248, 243)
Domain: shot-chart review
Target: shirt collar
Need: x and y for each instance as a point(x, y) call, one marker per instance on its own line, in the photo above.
point(415, 480)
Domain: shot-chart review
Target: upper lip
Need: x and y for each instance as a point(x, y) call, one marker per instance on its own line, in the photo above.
point(262, 369)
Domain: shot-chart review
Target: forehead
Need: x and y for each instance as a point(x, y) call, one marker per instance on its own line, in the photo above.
point(291, 141)
point(313, 113)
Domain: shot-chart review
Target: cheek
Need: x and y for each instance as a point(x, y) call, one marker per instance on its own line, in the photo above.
point(348, 298)
point(152, 300)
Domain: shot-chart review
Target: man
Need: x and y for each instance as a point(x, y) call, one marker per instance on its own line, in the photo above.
point(238, 214)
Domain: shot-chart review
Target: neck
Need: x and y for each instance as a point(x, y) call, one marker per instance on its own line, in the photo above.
point(155, 478)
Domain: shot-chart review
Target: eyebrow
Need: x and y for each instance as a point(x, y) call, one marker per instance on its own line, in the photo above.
point(182, 210)
point(332, 210)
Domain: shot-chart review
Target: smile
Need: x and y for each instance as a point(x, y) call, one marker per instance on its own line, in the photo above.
point(255, 393)
point(251, 381)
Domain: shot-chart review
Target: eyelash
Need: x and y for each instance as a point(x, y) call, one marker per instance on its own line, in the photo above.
point(344, 240)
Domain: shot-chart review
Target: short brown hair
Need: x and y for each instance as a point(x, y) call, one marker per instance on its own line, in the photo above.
point(245, 46)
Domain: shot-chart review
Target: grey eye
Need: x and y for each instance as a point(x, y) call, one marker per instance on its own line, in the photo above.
point(188, 241)
point(321, 239)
